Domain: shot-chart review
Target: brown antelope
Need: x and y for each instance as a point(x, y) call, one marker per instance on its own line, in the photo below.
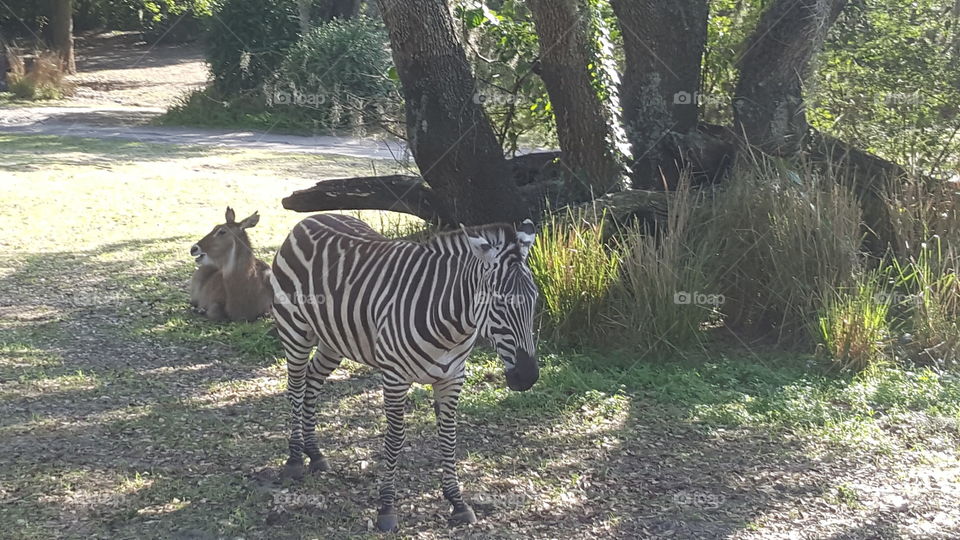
point(230, 283)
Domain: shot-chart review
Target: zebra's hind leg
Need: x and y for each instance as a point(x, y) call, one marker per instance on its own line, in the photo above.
point(394, 406)
point(321, 366)
point(447, 395)
point(298, 340)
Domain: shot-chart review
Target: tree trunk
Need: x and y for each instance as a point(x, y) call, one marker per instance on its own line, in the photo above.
point(768, 103)
point(303, 13)
point(450, 135)
point(582, 127)
point(4, 63)
point(663, 44)
point(61, 26)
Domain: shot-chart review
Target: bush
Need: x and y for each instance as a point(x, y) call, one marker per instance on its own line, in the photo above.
point(575, 270)
point(44, 79)
point(247, 42)
point(663, 299)
point(785, 238)
point(339, 74)
point(928, 304)
point(854, 325)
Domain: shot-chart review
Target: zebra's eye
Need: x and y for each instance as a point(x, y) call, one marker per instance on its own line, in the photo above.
point(221, 232)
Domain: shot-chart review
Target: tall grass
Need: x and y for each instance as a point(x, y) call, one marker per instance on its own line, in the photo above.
point(575, 270)
point(929, 304)
point(45, 79)
point(663, 298)
point(854, 323)
point(785, 238)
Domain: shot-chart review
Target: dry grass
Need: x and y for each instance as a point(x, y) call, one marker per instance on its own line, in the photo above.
point(44, 78)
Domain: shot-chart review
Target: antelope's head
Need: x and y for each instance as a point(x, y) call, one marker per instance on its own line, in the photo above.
point(221, 246)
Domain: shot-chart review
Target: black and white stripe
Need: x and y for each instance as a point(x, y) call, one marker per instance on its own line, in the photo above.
point(413, 310)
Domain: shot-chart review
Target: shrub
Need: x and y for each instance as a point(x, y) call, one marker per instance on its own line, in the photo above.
point(247, 41)
point(784, 239)
point(853, 323)
point(664, 299)
point(338, 74)
point(575, 270)
point(929, 304)
point(45, 78)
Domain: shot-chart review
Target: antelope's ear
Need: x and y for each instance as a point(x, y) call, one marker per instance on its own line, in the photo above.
point(230, 215)
point(480, 246)
point(526, 234)
point(250, 221)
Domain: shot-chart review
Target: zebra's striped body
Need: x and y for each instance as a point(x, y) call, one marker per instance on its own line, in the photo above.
point(412, 310)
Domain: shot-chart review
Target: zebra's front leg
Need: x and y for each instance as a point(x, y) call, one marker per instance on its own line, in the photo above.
point(446, 395)
point(394, 406)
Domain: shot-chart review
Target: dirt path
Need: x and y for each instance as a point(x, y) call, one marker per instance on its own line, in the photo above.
point(123, 84)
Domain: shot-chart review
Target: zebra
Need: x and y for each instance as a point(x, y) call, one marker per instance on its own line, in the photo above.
point(413, 311)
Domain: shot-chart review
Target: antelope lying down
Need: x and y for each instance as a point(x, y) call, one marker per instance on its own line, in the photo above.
point(230, 283)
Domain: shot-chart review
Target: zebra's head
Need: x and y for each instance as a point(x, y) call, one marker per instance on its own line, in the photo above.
point(510, 297)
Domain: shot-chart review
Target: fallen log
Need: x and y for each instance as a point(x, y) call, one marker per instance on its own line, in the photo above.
point(397, 193)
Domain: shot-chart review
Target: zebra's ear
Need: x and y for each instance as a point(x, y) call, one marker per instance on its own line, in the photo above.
point(229, 215)
point(480, 246)
point(526, 234)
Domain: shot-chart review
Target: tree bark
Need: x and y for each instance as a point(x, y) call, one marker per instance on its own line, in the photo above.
point(4, 63)
point(663, 44)
point(450, 135)
point(303, 13)
point(396, 193)
point(769, 111)
point(61, 25)
point(583, 129)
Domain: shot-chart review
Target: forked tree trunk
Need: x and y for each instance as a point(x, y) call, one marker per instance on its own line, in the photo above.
point(663, 43)
point(449, 133)
point(61, 23)
point(769, 111)
point(583, 129)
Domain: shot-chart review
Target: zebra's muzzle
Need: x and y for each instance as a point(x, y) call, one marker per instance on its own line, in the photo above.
point(524, 373)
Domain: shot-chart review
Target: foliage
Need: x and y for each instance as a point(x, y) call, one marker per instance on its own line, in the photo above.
point(44, 79)
point(502, 47)
point(889, 82)
point(575, 270)
point(338, 75)
point(248, 41)
point(854, 325)
point(663, 299)
point(729, 25)
point(928, 303)
point(784, 238)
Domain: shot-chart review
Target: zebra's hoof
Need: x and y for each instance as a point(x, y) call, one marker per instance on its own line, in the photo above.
point(463, 516)
point(387, 522)
point(319, 464)
point(293, 470)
